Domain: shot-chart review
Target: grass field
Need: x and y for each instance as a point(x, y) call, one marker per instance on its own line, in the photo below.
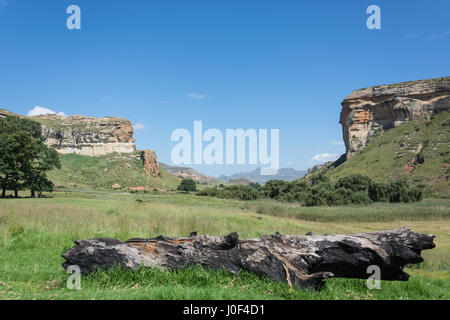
point(102, 172)
point(35, 232)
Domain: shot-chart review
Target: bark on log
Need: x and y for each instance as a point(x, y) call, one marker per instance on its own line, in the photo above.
point(301, 261)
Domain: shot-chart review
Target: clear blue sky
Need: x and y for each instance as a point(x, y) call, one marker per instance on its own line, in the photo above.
point(256, 64)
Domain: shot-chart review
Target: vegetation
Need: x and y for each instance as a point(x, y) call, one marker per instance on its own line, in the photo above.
point(319, 191)
point(34, 233)
point(101, 173)
point(187, 185)
point(24, 158)
point(240, 192)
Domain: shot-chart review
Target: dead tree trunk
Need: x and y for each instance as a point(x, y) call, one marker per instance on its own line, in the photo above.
point(301, 261)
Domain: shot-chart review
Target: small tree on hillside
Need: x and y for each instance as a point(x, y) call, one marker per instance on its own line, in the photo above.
point(187, 185)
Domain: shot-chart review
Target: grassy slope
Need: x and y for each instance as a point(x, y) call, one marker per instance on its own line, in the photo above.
point(89, 172)
point(30, 263)
point(386, 156)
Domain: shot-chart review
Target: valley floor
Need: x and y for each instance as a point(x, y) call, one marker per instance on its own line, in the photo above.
point(35, 232)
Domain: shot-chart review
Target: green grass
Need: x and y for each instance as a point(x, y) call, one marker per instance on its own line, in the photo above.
point(196, 283)
point(384, 158)
point(35, 232)
point(104, 171)
point(428, 209)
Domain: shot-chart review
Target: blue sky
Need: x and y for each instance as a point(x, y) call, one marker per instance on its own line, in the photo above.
point(232, 64)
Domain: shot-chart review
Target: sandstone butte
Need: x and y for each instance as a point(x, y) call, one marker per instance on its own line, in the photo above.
point(366, 113)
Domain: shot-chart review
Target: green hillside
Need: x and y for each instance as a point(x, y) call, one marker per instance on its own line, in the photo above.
point(105, 171)
point(418, 151)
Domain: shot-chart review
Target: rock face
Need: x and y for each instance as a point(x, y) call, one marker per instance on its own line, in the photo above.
point(82, 135)
point(366, 113)
point(86, 135)
point(150, 161)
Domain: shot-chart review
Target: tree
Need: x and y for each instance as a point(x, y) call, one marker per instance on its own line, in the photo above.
point(24, 158)
point(187, 185)
point(35, 175)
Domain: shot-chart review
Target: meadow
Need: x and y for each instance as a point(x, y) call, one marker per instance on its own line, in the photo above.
point(35, 232)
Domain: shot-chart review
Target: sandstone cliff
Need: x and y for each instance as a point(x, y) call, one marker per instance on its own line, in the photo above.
point(85, 135)
point(366, 113)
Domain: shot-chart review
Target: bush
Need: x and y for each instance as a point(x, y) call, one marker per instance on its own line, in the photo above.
point(359, 198)
point(355, 182)
point(378, 192)
point(232, 192)
point(187, 185)
point(319, 178)
point(354, 189)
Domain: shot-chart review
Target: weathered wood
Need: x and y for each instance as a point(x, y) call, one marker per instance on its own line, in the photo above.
point(301, 261)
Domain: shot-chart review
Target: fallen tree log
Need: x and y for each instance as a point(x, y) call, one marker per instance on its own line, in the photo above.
point(301, 261)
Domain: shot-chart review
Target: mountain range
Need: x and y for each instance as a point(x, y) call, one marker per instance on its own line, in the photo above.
point(287, 174)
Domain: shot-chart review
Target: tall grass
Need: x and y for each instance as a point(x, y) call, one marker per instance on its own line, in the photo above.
point(429, 209)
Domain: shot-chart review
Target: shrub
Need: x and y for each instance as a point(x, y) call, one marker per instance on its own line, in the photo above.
point(319, 178)
point(378, 192)
point(187, 185)
point(355, 182)
point(353, 189)
point(239, 192)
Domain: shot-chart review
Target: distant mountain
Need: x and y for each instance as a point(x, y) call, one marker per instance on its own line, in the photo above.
point(287, 174)
point(187, 173)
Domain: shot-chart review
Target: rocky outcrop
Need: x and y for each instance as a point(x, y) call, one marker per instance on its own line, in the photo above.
point(366, 113)
point(87, 135)
point(150, 161)
point(5, 113)
point(82, 135)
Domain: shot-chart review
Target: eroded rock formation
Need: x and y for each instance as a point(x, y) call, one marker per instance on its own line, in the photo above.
point(150, 161)
point(301, 261)
point(366, 113)
point(87, 135)
point(82, 135)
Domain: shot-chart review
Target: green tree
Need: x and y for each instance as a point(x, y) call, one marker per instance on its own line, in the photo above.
point(35, 174)
point(24, 158)
point(187, 185)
